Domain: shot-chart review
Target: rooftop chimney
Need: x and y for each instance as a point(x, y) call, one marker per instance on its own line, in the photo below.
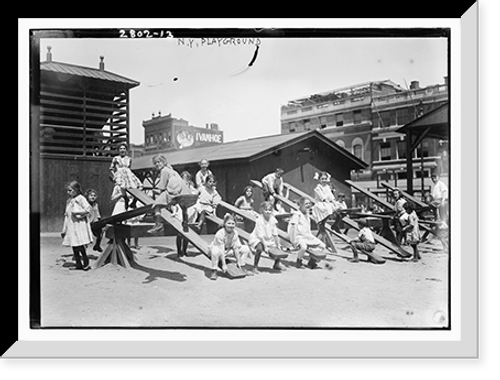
point(414, 85)
point(49, 54)
point(101, 64)
point(446, 80)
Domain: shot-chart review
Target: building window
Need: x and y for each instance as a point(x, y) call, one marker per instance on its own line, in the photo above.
point(307, 124)
point(357, 117)
point(330, 120)
point(340, 143)
point(348, 118)
point(357, 147)
point(357, 150)
point(402, 175)
point(423, 149)
point(403, 115)
point(385, 151)
point(340, 119)
point(383, 119)
point(401, 150)
point(392, 117)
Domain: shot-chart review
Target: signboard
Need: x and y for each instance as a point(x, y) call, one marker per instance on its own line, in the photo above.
point(188, 137)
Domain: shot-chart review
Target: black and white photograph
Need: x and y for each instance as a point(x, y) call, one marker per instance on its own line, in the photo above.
point(241, 178)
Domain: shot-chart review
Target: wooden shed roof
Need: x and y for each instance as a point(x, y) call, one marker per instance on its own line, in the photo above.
point(86, 72)
point(250, 150)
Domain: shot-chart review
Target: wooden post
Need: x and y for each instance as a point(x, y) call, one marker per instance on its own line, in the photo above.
point(84, 122)
point(422, 167)
point(409, 164)
point(127, 121)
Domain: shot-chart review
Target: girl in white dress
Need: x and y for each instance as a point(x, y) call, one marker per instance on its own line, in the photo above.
point(208, 200)
point(245, 201)
point(299, 232)
point(264, 237)
point(122, 175)
point(325, 204)
point(409, 222)
point(76, 232)
point(226, 241)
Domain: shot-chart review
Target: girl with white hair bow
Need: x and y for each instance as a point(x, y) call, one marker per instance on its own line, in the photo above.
point(325, 203)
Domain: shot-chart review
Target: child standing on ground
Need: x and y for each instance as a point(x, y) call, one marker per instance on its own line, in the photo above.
point(94, 216)
point(76, 232)
point(264, 237)
point(363, 242)
point(226, 241)
point(299, 232)
point(325, 205)
point(208, 200)
point(409, 222)
point(192, 214)
point(201, 176)
point(122, 175)
point(120, 206)
point(399, 202)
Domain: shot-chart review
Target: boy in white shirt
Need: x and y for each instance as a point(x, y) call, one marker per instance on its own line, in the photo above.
point(364, 241)
point(272, 185)
point(439, 193)
point(299, 232)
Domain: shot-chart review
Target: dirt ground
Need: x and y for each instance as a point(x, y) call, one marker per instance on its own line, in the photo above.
point(162, 290)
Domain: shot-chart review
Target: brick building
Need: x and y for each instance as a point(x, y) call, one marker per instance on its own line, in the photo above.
point(163, 133)
point(364, 119)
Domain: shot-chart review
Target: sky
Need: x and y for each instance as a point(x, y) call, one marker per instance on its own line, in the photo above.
point(203, 83)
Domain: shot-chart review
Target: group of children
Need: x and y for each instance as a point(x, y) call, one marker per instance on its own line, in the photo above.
point(81, 211)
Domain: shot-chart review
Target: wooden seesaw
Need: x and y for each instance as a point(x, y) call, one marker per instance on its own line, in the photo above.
point(326, 234)
point(119, 253)
point(314, 255)
point(422, 207)
point(245, 236)
point(391, 207)
point(394, 248)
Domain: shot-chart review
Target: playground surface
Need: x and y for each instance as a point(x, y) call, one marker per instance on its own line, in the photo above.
point(162, 290)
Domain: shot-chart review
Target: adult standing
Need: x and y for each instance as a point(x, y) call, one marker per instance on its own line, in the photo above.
point(439, 194)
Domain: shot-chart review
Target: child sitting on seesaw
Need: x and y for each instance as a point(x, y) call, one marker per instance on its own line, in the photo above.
point(208, 200)
point(170, 185)
point(203, 173)
point(123, 176)
point(264, 237)
point(325, 204)
point(299, 232)
point(363, 242)
point(272, 184)
point(245, 201)
point(226, 241)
